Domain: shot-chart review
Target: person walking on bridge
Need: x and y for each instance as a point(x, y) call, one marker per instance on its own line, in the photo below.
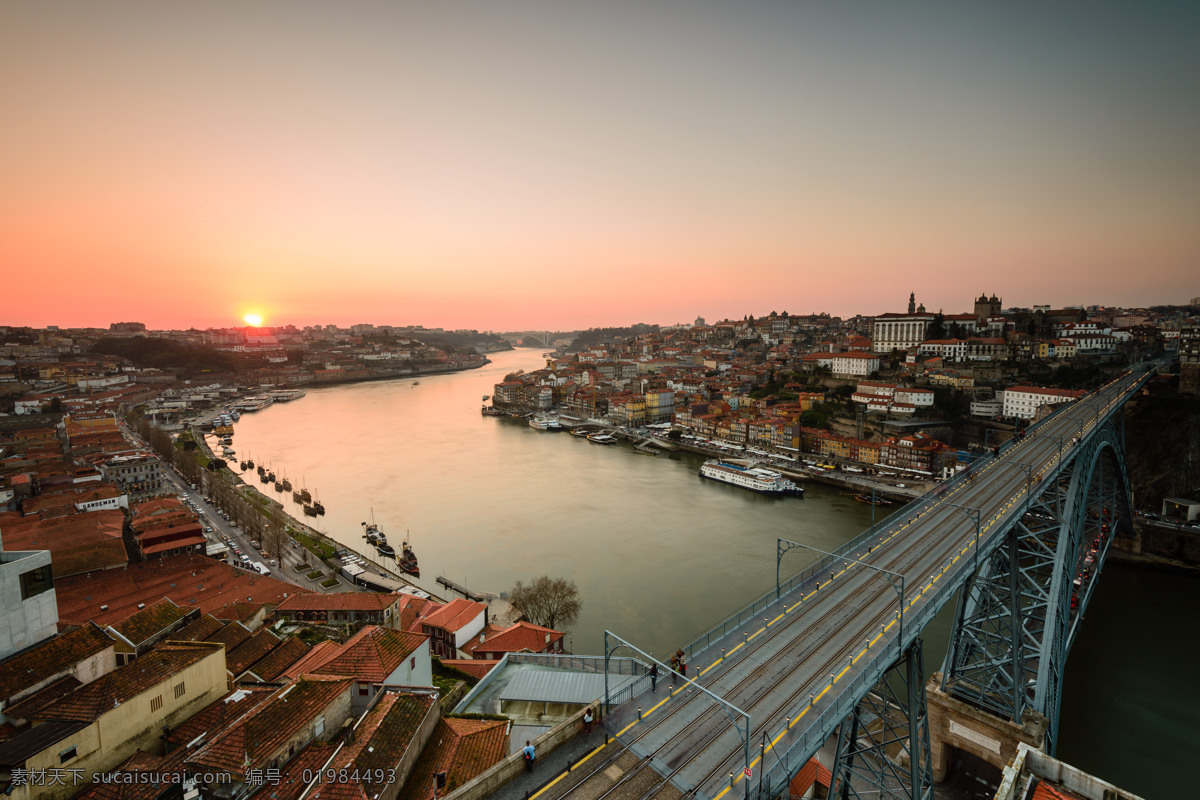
point(528, 751)
point(654, 677)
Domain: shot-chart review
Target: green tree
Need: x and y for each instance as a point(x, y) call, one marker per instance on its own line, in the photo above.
point(549, 602)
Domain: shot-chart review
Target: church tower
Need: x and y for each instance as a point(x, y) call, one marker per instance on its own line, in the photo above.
point(912, 302)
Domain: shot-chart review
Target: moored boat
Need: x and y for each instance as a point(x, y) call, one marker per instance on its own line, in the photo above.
point(756, 479)
point(601, 438)
point(407, 560)
point(545, 423)
point(309, 511)
point(491, 411)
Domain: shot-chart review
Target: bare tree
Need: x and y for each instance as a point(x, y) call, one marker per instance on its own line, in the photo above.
point(273, 539)
point(549, 602)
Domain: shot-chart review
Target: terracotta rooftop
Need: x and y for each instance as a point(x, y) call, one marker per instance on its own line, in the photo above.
point(30, 705)
point(380, 740)
point(253, 739)
point(241, 612)
point(198, 630)
point(454, 615)
point(79, 543)
point(373, 653)
point(239, 659)
point(192, 580)
point(140, 762)
point(523, 636)
point(476, 668)
point(50, 658)
point(151, 620)
point(232, 635)
point(219, 715)
point(337, 601)
point(291, 776)
point(313, 659)
point(90, 701)
point(272, 666)
point(462, 748)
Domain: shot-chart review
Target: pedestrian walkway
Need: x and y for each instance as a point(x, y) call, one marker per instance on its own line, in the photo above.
point(550, 767)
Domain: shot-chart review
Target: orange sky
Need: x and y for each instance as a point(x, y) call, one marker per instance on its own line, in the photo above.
point(534, 165)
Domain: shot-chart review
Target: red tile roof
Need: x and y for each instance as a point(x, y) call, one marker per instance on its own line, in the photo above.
point(92, 700)
point(232, 635)
point(337, 601)
point(79, 543)
point(272, 666)
point(200, 630)
point(50, 658)
point(476, 668)
point(28, 706)
point(520, 637)
point(454, 615)
point(311, 662)
point(242, 657)
point(373, 653)
point(380, 741)
point(291, 777)
point(145, 788)
point(255, 738)
point(192, 580)
point(462, 748)
point(153, 619)
point(219, 715)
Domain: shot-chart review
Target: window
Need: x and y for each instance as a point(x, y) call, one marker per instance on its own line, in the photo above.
point(155, 703)
point(319, 727)
point(362, 691)
point(412, 663)
point(180, 689)
point(67, 755)
point(36, 581)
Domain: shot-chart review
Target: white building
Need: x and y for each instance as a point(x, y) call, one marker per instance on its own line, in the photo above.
point(1024, 401)
point(898, 331)
point(855, 363)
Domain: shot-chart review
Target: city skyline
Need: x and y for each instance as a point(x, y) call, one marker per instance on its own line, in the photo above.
point(538, 165)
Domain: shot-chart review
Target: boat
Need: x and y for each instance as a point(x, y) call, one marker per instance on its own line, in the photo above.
point(320, 509)
point(262, 475)
point(407, 561)
point(286, 484)
point(879, 500)
point(261, 469)
point(545, 423)
point(309, 511)
point(582, 433)
point(296, 498)
point(601, 438)
point(249, 464)
point(485, 397)
point(279, 487)
point(270, 477)
point(227, 440)
point(756, 479)
point(228, 451)
point(414, 383)
point(242, 465)
point(385, 549)
point(491, 411)
point(372, 533)
point(305, 496)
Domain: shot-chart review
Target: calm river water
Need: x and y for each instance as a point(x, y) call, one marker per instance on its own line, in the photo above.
point(658, 554)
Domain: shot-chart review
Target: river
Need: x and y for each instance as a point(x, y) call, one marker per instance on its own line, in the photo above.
point(658, 554)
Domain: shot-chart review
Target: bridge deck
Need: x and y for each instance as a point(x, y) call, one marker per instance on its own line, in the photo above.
point(800, 669)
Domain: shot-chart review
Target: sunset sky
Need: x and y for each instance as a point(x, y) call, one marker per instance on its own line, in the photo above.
point(509, 164)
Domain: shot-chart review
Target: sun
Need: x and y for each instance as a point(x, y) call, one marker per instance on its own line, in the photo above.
point(253, 320)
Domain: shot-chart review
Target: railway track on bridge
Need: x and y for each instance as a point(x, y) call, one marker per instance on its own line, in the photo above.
point(686, 745)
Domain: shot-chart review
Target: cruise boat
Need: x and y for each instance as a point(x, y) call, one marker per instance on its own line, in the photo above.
point(755, 479)
point(601, 438)
point(286, 395)
point(545, 424)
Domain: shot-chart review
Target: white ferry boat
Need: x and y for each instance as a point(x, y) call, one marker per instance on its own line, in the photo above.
point(756, 479)
point(287, 395)
point(545, 423)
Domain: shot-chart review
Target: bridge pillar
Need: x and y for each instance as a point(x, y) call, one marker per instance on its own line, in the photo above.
point(955, 724)
point(883, 744)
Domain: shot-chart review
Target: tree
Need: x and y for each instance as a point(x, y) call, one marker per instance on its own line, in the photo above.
point(549, 602)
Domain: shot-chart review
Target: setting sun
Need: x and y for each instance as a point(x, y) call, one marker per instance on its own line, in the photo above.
point(253, 319)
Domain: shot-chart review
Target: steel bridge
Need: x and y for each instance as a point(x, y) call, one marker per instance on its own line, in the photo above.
point(1019, 540)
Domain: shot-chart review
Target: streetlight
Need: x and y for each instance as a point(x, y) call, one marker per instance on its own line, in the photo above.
point(783, 545)
point(974, 514)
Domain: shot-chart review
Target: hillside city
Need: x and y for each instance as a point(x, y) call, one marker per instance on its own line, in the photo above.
point(173, 632)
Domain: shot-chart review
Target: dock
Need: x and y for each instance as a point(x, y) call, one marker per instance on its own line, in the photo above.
point(457, 587)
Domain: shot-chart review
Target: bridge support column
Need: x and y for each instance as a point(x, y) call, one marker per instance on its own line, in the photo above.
point(954, 724)
point(883, 745)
